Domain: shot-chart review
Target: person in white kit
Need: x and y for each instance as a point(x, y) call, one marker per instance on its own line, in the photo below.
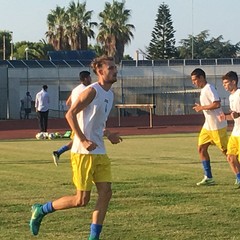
point(214, 130)
point(230, 83)
point(90, 164)
point(85, 80)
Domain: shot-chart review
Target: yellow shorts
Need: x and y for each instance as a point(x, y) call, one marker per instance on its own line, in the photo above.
point(233, 146)
point(215, 137)
point(90, 168)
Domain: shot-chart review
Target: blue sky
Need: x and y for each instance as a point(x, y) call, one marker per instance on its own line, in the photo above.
point(27, 18)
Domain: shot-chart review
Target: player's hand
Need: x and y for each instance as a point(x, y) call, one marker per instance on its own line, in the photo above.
point(89, 145)
point(221, 117)
point(114, 138)
point(197, 107)
point(234, 115)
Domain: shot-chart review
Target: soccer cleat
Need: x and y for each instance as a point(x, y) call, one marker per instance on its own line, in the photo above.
point(237, 183)
point(36, 219)
point(206, 182)
point(91, 238)
point(55, 156)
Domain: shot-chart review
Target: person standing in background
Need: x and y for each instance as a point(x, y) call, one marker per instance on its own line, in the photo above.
point(27, 103)
point(42, 108)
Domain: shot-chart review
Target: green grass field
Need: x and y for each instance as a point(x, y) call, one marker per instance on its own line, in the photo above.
point(154, 192)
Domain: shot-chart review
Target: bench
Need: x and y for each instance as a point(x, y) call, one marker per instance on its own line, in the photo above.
point(147, 106)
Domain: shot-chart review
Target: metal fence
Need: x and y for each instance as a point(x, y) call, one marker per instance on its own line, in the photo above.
point(165, 83)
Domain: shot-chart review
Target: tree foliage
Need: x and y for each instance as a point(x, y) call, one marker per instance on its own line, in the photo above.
point(5, 43)
point(114, 30)
point(200, 47)
point(34, 50)
point(69, 29)
point(162, 45)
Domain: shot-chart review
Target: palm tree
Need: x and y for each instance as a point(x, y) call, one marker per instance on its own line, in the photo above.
point(56, 33)
point(79, 25)
point(114, 31)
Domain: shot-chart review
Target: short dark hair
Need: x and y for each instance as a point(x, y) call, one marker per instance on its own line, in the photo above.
point(198, 72)
point(45, 87)
point(231, 76)
point(83, 74)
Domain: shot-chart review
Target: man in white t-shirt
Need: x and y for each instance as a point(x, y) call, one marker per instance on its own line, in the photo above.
point(85, 80)
point(230, 82)
point(214, 130)
point(42, 102)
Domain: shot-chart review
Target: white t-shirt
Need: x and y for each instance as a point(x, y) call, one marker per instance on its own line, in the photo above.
point(76, 92)
point(92, 120)
point(234, 102)
point(42, 101)
point(209, 95)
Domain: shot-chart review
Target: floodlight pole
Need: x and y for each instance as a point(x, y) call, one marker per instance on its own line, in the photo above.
point(26, 51)
point(11, 57)
point(192, 33)
point(4, 46)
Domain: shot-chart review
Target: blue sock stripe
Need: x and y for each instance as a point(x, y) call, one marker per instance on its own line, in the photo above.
point(207, 168)
point(62, 149)
point(95, 231)
point(47, 208)
point(238, 176)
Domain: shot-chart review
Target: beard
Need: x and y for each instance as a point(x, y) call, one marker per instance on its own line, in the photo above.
point(113, 80)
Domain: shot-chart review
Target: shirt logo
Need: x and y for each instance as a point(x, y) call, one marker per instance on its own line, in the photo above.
point(106, 104)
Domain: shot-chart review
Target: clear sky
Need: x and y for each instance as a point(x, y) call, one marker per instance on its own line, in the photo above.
point(27, 18)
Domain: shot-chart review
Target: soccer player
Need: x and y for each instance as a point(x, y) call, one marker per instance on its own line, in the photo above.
point(90, 163)
point(85, 80)
point(230, 82)
point(214, 130)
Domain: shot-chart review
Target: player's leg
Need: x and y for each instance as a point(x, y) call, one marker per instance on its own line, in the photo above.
point(82, 178)
point(99, 213)
point(102, 179)
point(232, 157)
point(56, 154)
point(204, 141)
point(81, 199)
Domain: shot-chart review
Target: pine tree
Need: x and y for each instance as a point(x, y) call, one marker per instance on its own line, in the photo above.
point(162, 45)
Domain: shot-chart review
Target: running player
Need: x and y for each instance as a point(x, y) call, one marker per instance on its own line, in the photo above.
point(230, 82)
point(85, 80)
point(90, 163)
point(214, 130)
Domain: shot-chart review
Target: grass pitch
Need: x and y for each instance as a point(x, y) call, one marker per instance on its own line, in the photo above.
point(154, 192)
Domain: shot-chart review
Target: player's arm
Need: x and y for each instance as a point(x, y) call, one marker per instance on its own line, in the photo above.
point(212, 106)
point(114, 138)
point(84, 99)
point(69, 101)
point(229, 116)
point(234, 115)
point(36, 104)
